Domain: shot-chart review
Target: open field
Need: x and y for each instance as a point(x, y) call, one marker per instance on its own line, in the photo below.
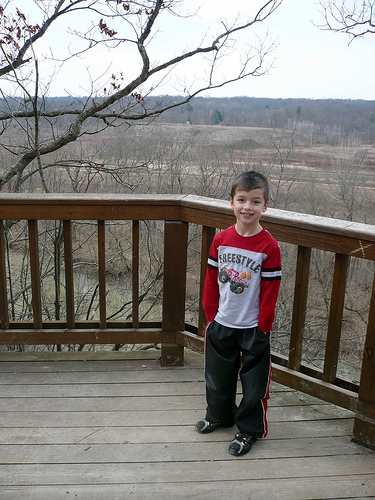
point(306, 156)
point(329, 176)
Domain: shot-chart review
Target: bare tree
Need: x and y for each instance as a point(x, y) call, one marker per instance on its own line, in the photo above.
point(349, 16)
point(32, 127)
point(349, 169)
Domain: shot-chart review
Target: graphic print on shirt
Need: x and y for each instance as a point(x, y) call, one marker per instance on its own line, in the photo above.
point(236, 280)
point(237, 266)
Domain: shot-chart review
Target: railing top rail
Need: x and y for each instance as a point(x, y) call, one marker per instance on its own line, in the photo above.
point(352, 238)
point(290, 219)
point(89, 198)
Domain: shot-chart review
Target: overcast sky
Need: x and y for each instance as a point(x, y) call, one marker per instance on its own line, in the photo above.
point(309, 63)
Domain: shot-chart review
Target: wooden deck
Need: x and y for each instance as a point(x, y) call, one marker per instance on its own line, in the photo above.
point(118, 426)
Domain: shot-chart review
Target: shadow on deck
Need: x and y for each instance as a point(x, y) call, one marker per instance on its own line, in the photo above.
point(116, 425)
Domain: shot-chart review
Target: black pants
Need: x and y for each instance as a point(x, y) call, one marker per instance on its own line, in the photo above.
point(227, 352)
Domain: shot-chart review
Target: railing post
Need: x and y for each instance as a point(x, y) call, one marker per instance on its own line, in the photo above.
point(299, 307)
point(102, 276)
point(335, 318)
point(364, 422)
point(35, 274)
point(69, 281)
point(174, 288)
point(135, 274)
point(4, 314)
point(208, 234)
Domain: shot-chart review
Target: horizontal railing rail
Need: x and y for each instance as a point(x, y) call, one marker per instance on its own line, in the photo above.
point(342, 238)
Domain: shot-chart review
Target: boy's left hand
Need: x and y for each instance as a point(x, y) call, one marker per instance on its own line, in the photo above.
point(261, 331)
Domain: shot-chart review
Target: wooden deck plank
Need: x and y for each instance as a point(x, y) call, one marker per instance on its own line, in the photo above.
point(63, 381)
point(359, 487)
point(151, 417)
point(111, 377)
point(114, 428)
point(103, 356)
point(133, 402)
point(232, 468)
point(144, 389)
point(108, 377)
point(190, 449)
point(119, 366)
point(176, 434)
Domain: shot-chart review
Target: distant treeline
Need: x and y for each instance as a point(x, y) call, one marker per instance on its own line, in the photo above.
point(346, 116)
point(322, 115)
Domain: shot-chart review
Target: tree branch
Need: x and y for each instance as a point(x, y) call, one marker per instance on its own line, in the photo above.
point(126, 102)
point(355, 20)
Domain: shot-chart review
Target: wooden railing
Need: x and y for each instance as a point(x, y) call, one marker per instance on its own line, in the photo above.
point(344, 239)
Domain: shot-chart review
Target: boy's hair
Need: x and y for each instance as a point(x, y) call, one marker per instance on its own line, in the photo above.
point(251, 180)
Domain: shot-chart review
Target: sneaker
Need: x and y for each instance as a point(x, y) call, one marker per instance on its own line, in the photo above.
point(204, 426)
point(241, 444)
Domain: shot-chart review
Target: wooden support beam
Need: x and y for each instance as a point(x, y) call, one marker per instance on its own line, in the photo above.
point(174, 288)
point(317, 388)
point(102, 276)
point(135, 274)
point(208, 234)
point(299, 307)
point(47, 336)
point(35, 273)
point(191, 341)
point(4, 313)
point(69, 282)
point(335, 317)
point(364, 422)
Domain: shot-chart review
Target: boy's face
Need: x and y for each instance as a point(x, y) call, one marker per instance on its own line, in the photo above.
point(248, 206)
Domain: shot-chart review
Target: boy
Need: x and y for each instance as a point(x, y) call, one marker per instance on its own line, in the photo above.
point(240, 292)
